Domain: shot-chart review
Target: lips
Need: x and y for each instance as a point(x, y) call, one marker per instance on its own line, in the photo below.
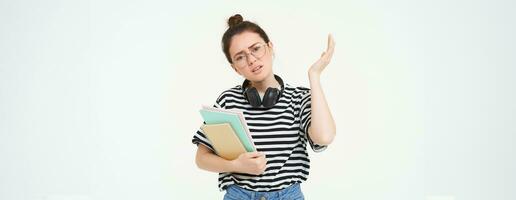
point(257, 68)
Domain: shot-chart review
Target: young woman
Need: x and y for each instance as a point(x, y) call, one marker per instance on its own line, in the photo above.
point(282, 120)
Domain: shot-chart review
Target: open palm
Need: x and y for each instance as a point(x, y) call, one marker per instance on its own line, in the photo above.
point(325, 58)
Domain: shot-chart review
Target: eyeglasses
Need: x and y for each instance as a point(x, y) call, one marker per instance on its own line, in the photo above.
point(258, 51)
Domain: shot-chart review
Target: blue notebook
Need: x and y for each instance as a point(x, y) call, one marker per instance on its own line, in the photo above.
point(212, 115)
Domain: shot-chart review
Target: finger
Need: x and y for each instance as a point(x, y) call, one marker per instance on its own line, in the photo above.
point(262, 163)
point(254, 154)
point(331, 42)
point(329, 50)
point(329, 54)
point(263, 168)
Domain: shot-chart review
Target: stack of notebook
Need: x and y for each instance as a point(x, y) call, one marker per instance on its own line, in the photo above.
point(227, 132)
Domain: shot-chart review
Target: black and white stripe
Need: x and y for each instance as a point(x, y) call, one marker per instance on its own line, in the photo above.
point(280, 132)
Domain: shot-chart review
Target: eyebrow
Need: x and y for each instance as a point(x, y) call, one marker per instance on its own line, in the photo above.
point(240, 52)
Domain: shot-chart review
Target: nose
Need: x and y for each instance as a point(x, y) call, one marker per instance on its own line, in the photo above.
point(250, 59)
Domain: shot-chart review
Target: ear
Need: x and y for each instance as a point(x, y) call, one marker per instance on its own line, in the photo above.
point(271, 48)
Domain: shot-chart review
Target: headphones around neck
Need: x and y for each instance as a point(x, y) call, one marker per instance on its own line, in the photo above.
point(270, 98)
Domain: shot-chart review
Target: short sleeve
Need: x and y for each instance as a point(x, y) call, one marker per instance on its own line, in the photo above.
point(199, 136)
point(306, 119)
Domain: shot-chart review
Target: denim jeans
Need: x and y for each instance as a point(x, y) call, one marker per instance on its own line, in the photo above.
point(293, 192)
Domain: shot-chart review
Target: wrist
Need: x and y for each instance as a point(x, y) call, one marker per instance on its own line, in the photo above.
point(232, 166)
point(313, 76)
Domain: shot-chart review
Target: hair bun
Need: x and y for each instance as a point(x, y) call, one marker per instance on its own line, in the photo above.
point(235, 20)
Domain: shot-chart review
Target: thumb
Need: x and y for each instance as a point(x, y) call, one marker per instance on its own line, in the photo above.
point(254, 154)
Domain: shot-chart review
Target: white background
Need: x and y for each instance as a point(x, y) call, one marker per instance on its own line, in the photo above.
point(100, 99)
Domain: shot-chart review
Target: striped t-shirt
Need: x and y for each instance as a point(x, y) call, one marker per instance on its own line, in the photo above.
point(280, 132)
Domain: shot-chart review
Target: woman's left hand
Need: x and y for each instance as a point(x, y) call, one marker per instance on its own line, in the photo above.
point(325, 59)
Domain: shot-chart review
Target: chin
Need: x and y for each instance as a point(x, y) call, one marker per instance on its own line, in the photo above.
point(259, 77)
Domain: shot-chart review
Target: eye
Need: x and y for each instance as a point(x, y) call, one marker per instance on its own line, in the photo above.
point(257, 48)
point(238, 58)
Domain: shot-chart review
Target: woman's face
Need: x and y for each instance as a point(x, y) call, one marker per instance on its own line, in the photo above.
point(252, 67)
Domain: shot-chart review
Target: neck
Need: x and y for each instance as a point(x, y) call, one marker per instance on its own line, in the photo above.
point(270, 81)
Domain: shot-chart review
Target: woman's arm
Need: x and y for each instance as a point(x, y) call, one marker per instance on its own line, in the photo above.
point(322, 128)
point(250, 162)
point(207, 160)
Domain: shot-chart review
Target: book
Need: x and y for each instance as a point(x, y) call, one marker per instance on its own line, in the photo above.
point(224, 140)
point(236, 119)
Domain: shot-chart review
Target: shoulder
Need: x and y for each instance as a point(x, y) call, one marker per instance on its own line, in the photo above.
point(296, 90)
point(296, 93)
point(235, 91)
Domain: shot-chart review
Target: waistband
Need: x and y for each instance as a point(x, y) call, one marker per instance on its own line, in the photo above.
point(269, 194)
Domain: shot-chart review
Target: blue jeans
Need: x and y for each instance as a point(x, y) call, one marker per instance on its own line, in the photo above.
point(293, 192)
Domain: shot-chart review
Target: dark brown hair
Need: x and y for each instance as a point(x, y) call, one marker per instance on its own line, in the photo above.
point(237, 25)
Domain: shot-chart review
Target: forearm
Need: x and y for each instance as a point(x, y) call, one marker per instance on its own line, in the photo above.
point(322, 129)
point(207, 160)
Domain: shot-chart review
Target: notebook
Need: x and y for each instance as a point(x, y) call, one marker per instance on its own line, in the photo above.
point(212, 115)
point(224, 140)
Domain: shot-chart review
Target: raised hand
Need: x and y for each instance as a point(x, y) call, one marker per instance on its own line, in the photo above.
point(324, 60)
